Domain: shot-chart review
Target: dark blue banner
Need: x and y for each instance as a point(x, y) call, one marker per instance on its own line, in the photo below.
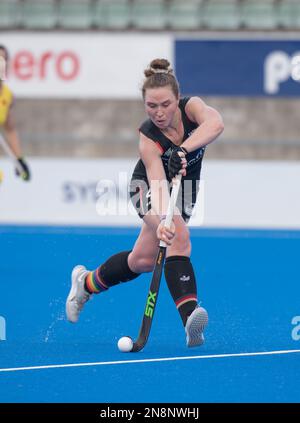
point(238, 68)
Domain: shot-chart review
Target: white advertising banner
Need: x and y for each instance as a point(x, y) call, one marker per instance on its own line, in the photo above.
point(81, 65)
point(95, 192)
point(75, 192)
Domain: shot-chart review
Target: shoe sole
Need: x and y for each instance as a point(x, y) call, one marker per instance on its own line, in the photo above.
point(72, 292)
point(195, 328)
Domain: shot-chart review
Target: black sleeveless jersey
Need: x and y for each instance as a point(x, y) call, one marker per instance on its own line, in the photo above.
point(194, 159)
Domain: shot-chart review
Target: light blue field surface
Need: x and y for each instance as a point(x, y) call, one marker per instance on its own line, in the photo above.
point(248, 280)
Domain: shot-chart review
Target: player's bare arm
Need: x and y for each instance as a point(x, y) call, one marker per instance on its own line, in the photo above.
point(151, 157)
point(210, 124)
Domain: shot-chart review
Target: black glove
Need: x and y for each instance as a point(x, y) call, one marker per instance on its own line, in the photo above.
point(25, 175)
point(174, 163)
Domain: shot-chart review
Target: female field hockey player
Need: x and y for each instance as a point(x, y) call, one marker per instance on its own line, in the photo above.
point(172, 141)
point(7, 124)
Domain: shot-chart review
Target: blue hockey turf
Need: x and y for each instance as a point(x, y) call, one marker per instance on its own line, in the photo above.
point(248, 281)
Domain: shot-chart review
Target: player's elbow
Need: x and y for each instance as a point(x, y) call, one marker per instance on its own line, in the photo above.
point(218, 126)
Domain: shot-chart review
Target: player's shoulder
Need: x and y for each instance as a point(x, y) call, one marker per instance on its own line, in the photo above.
point(189, 103)
point(195, 99)
point(146, 125)
point(194, 105)
point(147, 128)
point(184, 100)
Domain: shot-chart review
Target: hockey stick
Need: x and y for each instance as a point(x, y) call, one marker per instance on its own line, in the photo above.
point(11, 155)
point(156, 276)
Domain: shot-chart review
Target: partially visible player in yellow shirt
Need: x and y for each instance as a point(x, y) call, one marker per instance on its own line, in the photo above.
point(7, 124)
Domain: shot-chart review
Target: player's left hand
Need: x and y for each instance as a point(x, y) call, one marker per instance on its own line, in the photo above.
point(177, 162)
point(25, 175)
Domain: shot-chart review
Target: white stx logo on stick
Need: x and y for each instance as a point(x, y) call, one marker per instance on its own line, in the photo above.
point(278, 68)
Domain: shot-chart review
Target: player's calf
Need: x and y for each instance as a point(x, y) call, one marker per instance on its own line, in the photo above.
point(180, 277)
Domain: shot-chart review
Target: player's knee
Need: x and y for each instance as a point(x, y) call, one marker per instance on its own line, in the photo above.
point(143, 264)
point(182, 242)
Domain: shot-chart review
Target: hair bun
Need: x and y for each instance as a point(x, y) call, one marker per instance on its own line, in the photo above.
point(159, 74)
point(158, 66)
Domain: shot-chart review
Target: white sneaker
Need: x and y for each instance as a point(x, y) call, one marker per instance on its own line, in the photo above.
point(195, 326)
point(78, 296)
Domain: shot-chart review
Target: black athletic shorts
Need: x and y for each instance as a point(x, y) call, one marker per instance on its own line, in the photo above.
point(141, 197)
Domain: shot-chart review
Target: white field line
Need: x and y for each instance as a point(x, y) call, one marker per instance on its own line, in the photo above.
point(149, 360)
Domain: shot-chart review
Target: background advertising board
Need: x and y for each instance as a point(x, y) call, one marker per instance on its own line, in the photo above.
point(85, 65)
point(238, 67)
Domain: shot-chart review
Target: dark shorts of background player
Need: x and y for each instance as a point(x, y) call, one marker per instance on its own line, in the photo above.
point(141, 197)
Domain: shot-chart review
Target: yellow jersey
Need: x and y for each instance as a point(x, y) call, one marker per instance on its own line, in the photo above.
point(6, 98)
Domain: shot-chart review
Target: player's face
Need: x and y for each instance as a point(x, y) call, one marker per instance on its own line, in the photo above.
point(161, 105)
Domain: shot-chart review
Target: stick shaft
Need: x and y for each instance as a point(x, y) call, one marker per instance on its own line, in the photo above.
point(172, 204)
point(156, 275)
